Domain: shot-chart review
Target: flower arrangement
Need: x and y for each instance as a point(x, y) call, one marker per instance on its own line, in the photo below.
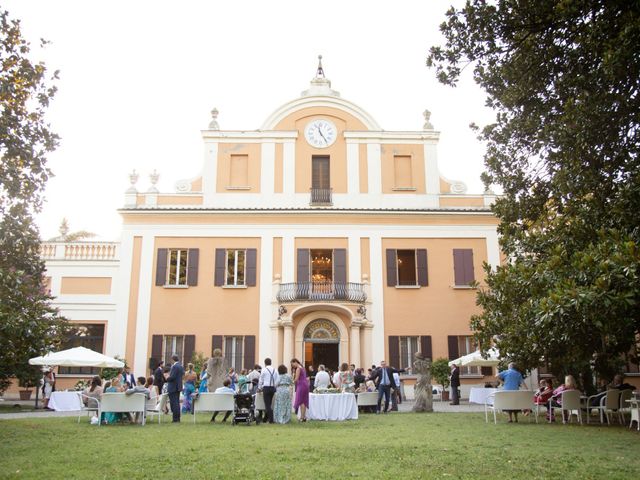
point(81, 385)
point(327, 390)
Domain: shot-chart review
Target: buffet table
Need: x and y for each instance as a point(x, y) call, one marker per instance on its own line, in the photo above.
point(65, 402)
point(332, 406)
point(479, 395)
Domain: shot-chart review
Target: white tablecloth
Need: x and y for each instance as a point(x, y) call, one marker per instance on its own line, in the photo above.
point(65, 402)
point(479, 395)
point(333, 406)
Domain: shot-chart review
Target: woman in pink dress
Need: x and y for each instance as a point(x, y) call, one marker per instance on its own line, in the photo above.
point(302, 389)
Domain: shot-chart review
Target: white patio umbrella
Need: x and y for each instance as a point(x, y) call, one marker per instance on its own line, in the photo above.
point(475, 359)
point(77, 357)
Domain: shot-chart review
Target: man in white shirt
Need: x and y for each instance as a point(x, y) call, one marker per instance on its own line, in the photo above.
point(226, 388)
point(253, 377)
point(267, 385)
point(322, 378)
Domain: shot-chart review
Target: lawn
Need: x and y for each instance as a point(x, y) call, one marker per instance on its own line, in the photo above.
point(438, 445)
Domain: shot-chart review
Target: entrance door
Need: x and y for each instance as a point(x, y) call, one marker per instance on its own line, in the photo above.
point(325, 354)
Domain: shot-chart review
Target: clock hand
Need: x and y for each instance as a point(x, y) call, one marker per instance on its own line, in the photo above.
point(320, 132)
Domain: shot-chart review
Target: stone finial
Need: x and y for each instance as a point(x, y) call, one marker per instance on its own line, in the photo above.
point(153, 178)
point(133, 179)
point(213, 124)
point(320, 71)
point(427, 124)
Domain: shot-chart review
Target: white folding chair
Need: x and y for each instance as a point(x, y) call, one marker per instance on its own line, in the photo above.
point(509, 400)
point(570, 403)
point(123, 403)
point(158, 408)
point(93, 405)
point(609, 403)
point(213, 402)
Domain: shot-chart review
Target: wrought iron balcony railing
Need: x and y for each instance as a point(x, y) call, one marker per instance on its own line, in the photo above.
point(321, 196)
point(321, 291)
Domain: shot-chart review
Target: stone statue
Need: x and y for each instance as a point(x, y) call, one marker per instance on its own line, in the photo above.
point(423, 390)
point(217, 370)
point(427, 122)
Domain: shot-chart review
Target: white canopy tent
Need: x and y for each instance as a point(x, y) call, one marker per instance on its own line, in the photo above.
point(475, 359)
point(77, 357)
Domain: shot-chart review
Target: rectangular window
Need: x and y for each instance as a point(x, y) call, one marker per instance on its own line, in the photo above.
point(173, 345)
point(320, 180)
point(463, 267)
point(235, 275)
point(407, 267)
point(234, 352)
point(239, 171)
point(408, 348)
point(402, 171)
point(90, 336)
point(466, 345)
point(177, 271)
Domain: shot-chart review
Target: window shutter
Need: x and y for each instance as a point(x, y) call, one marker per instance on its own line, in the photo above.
point(189, 347)
point(453, 347)
point(425, 346)
point(216, 342)
point(192, 267)
point(392, 268)
point(218, 278)
point(161, 267)
point(469, 276)
point(302, 278)
point(340, 265)
point(421, 257)
point(251, 261)
point(486, 371)
point(249, 351)
point(156, 351)
point(394, 351)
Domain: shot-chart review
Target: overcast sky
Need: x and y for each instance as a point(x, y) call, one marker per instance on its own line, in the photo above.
point(139, 78)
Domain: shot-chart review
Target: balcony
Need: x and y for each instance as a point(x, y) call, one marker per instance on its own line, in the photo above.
point(101, 251)
point(321, 197)
point(321, 292)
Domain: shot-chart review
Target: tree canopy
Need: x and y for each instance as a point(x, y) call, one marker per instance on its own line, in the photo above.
point(29, 325)
point(563, 77)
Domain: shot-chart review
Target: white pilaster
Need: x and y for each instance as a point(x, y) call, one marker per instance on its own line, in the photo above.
point(353, 168)
point(210, 172)
point(289, 168)
point(288, 259)
point(267, 168)
point(493, 249)
point(376, 309)
point(266, 296)
point(431, 172)
point(354, 259)
point(116, 340)
point(355, 356)
point(374, 168)
point(144, 306)
point(274, 354)
point(287, 345)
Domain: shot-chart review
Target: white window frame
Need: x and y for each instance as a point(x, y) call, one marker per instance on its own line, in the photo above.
point(180, 253)
point(231, 357)
point(406, 357)
point(470, 348)
point(234, 282)
point(167, 352)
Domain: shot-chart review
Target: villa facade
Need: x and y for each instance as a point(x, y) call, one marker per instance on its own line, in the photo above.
point(319, 236)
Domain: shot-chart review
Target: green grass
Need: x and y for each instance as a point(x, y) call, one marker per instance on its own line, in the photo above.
point(395, 446)
point(9, 407)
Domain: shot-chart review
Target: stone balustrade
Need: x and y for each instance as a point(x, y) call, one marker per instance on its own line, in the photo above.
point(80, 251)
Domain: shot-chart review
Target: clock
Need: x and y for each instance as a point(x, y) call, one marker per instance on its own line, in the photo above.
point(320, 133)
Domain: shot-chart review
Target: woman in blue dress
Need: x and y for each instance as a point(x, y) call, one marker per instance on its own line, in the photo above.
point(203, 388)
point(189, 389)
point(282, 398)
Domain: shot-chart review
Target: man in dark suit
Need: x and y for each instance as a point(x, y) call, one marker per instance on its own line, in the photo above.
point(158, 377)
point(383, 378)
point(455, 385)
point(174, 387)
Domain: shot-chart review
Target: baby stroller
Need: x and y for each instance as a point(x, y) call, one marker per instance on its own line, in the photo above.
point(243, 409)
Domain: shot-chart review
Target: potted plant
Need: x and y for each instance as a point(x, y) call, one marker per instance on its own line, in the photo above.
point(440, 371)
point(28, 377)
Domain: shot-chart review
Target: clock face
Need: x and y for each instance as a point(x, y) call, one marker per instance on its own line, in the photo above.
point(321, 133)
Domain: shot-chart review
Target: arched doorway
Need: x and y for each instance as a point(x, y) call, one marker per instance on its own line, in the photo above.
point(322, 344)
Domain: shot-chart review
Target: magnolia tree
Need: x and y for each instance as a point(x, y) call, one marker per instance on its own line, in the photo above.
point(564, 80)
point(29, 325)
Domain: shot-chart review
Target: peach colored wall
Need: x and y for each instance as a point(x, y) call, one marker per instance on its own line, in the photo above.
point(225, 150)
point(445, 187)
point(132, 314)
point(364, 168)
point(142, 218)
point(416, 152)
point(196, 185)
point(463, 201)
point(278, 175)
point(85, 286)
point(365, 254)
point(437, 309)
point(277, 256)
point(204, 310)
point(338, 151)
point(179, 200)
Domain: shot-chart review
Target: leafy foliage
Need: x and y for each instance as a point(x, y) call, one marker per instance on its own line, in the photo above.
point(564, 78)
point(440, 371)
point(29, 325)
